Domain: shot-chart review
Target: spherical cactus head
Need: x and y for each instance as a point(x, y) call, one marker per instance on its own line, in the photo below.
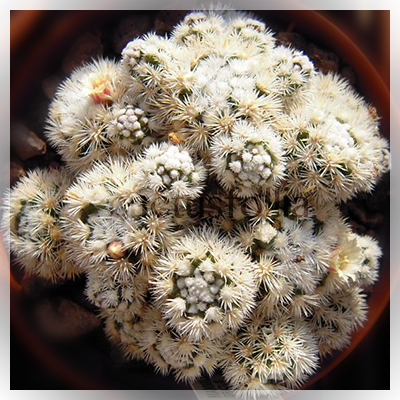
point(33, 212)
point(205, 286)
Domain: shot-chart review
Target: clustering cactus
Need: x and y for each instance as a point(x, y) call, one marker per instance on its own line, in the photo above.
point(168, 172)
point(269, 354)
point(92, 117)
point(169, 351)
point(249, 160)
point(207, 78)
point(32, 216)
point(333, 144)
point(205, 285)
point(111, 223)
point(204, 213)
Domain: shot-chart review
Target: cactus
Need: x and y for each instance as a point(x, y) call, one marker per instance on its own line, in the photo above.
point(92, 117)
point(205, 207)
point(333, 144)
point(207, 77)
point(248, 161)
point(204, 286)
point(269, 355)
point(109, 227)
point(33, 209)
point(337, 317)
point(168, 172)
point(169, 351)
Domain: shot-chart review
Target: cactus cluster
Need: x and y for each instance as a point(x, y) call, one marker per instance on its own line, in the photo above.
point(32, 221)
point(200, 197)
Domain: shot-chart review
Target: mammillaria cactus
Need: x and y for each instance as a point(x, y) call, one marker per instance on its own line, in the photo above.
point(110, 225)
point(268, 355)
point(249, 160)
point(125, 328)
point(167, 350)
point(340, 313)
point(210, 166)
point(207, 76)
point(205, 286)
point(333, 144)
point(92, 117)
point(32, 214)
point(117, 298)
point(168, 172)
point(371, 253)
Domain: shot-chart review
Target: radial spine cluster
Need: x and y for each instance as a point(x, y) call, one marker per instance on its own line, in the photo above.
point(33, 209)
point(205, 286)
point(169, 172)
point(92, 117)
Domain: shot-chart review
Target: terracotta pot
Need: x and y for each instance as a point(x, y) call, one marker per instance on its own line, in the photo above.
point(312, 24)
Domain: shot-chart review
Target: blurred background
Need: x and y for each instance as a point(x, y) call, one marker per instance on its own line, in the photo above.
point(36, 73)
